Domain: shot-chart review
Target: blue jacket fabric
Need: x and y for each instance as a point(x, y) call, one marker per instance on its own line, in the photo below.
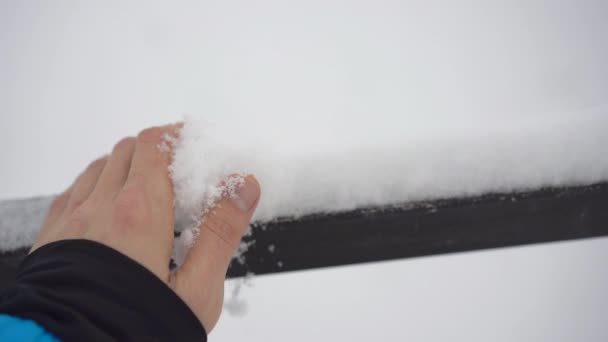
point(13, 329)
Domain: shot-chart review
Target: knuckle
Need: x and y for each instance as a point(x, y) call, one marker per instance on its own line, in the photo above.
point(224, 230)
point(126, 144)
point(78, 220)
point(59, 202)
point(130, 209)
point(136, 180)
point(154, 160)
point(151, 135)
point(97, 164)
point(81, 198)
point(76, 201)
point(150, 141)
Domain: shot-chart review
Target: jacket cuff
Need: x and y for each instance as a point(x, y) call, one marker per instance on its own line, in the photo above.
point(81, 290)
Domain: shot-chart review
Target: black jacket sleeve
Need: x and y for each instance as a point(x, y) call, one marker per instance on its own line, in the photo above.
point(81, 290)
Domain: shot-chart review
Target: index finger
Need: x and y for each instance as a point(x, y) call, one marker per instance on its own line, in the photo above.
point(150, 166)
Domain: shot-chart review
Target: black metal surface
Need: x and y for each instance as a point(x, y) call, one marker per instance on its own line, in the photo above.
point(438, 227)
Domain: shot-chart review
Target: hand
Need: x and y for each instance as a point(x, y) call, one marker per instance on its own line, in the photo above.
point(125, 201)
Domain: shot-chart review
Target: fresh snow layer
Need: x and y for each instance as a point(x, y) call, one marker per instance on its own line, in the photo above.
point(301, 175)
point(302, 172)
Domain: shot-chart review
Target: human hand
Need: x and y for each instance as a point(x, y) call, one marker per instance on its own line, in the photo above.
point(125, 201)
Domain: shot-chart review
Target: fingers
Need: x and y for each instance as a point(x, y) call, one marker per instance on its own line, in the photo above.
point(57, 207)
point(69, 200)
point(141, 217)
point(85, 183)
point(220, 236)
point(115, 172)
point(149, 167)
point(210, 256)
point(55, 211)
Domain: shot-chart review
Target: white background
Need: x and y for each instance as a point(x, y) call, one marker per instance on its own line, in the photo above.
point(77, 76)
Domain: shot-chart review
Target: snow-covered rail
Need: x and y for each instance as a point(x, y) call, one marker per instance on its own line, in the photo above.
point(421, 229)
point(438, 227)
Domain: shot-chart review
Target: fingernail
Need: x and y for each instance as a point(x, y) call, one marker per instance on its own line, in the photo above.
point(247, 195)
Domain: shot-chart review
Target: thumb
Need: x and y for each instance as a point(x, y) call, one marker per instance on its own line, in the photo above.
point(200, 280)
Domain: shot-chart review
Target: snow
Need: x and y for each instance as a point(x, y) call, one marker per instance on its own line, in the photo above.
point(235, 304)
point(303, 176)
point(20, 221)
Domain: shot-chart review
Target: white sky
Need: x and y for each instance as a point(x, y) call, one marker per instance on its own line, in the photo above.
point(76, 77)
